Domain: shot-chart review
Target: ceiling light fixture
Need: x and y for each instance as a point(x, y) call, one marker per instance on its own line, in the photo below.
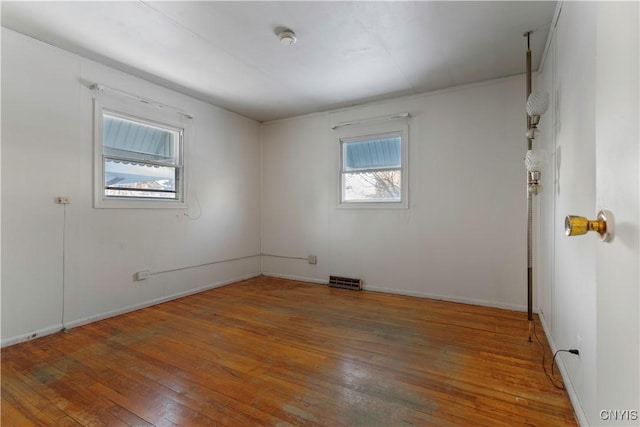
point(287, 37)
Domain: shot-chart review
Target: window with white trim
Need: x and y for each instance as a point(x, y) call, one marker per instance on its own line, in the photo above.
point(139, 158)
point(373, 170)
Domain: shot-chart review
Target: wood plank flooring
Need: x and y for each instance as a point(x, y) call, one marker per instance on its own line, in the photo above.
point(275, 352)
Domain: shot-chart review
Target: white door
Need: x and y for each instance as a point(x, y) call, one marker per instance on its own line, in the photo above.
point(617, 189)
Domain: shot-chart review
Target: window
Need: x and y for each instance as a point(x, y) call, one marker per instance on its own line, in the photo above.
point(373, 170)
point(139, 158)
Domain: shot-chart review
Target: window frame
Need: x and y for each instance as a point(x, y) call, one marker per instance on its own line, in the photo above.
point(146, 115)
point(363, 132)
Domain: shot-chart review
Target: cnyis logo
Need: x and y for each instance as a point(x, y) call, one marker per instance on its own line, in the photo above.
point(619, 415)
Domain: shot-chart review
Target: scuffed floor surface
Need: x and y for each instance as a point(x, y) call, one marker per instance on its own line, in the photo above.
point(275, 352)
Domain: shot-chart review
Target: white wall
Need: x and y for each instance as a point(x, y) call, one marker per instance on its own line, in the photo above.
point(47, 142)
point(587, 288)
point(463, 237)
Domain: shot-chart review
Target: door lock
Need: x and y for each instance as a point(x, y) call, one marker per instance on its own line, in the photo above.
point(603, 225)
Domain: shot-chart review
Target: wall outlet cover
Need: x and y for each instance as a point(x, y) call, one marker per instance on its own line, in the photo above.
point(142, 275)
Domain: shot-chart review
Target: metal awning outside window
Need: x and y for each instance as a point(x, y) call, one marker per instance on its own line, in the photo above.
point(375, 153)
point(128, 141)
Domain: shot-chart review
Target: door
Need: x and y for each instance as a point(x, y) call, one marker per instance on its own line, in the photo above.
point(617, 189)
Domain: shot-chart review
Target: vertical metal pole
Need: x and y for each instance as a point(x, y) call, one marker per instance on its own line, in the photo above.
point(529, 204)
point(527, 35)
point(529, 263)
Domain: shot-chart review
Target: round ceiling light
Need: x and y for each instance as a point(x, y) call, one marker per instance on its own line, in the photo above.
point(287, 37)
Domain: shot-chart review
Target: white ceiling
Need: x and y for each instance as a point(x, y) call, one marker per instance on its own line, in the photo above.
point(228, 54)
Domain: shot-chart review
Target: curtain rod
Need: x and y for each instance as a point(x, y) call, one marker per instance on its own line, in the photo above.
point(100, 88)
point(376, 119)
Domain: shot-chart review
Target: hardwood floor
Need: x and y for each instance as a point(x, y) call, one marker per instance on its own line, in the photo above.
point(277, 352)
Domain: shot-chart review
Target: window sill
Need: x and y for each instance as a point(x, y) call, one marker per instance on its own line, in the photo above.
point(116, 203)
point(373, 205)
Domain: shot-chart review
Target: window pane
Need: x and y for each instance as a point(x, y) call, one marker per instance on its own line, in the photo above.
point(139, 141)
point(372, 154)
point(377, 186)
point(121, 177)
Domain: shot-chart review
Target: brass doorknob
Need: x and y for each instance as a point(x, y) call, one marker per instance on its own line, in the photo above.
point(603, 225)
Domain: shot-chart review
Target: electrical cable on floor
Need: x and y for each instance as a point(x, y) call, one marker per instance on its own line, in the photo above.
point(544, 367)
point(572, 351)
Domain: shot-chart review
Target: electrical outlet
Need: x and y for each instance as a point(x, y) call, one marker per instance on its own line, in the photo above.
point(579, 346)
point(142, 275)
point(313, 259)
point(63, 200)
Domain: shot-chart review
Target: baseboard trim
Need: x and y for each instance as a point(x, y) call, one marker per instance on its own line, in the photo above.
point(298, 278)
point(578, 410)
point(28, 336)
point(484, 303)
point(85, 320)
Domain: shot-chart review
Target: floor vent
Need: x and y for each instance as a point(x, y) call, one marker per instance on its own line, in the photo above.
point(345, 283)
